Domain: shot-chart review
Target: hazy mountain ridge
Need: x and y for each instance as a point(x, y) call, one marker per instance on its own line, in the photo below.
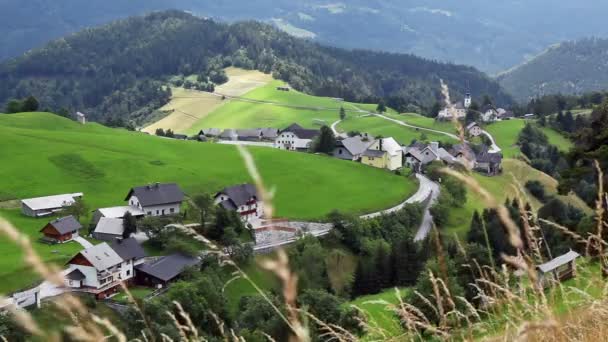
point(492, 36)
point(117, 70)
point(573, 67)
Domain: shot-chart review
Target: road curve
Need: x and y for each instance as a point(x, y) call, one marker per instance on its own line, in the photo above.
point(494, 148)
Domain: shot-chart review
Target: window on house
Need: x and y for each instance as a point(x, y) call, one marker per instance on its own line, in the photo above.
point(172, 210)
point(340, 151)
point(163, 211)
point(149, 213)
point(128, 273)
point(157, 212)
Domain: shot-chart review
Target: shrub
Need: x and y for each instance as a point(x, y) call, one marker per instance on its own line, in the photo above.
point(537, 190)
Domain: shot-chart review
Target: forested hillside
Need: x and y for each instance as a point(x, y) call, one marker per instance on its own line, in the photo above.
point(569, 68)
point(490, 35)
point(118, 70)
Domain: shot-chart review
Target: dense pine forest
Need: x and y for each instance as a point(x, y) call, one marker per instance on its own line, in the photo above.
point(119, 71)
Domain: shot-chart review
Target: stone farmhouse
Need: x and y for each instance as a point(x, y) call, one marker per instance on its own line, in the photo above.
point(243, 199)
point(156, 199)
point(458, 109)
point(61, 230)
point(295, 138)
point(474, 130)
point(49, 205)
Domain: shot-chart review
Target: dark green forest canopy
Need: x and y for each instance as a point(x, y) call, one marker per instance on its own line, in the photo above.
point(119, 70)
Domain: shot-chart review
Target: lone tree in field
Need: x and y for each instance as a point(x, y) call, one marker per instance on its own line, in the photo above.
point(326, 141)
point(30, 104)
point(76, 209)
point(381, 107)
point(160, 132)
point(204, 203)
point(342, 113)
point(129, 224)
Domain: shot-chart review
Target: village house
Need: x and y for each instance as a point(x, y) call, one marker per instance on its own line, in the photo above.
point(269, 134)
point(46, 206)
point(100, 269)
point(160, 272)
point(351, 148)
point(61, 230)
point(210, 132)
point(229, 134)
point(489, 113)
point(295, 138)
point(248, 134)
point(384, 153)
point(109, 229)
point(156, 199)
point(419, 155)
point(243, 199)
point(474, 130)
point(458, 109)
point(489, 163)
point(559, 269)
point(117, 212)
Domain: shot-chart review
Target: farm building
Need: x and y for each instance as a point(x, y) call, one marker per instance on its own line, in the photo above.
point(162, 271)
point(81, 118)
point(241, 198)
point(100, 269)
point(61, 230)
point(46, 206)
point(295, 138)
point(156, 199)
point(384, 153)
point(351, 148)
point(489, 163)
point(447, 113)
point(559, 269)
point(116, 212)
point(109, 229)
point(210, 132)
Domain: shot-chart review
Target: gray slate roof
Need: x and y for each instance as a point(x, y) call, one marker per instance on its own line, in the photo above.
point(213, 132)
point(168, 267)
point(66, 224)
point(248, 133)
point(157, 194)
point(557, 262)
point(301, 132)
point(128, 249)
point(354, 145)
point(471, 125)
point(101, 256)
point(228, 133)
point(269, 133)
point(487, 157)
point(239, 194)
point(374, 153)
point(109, 225)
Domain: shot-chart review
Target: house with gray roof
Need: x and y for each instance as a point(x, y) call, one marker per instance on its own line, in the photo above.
point(116, 212)
point(160, 272)
point(229, 134)
point(295, 138)
point(210, 132)
point(249, 134)
point(243, 199)
point(156, 199)
point(129, 250)
point(419, 155)
point(61, 230)
point(351, 148)
point(489, 163)
point(269, 134)
point(109, 229)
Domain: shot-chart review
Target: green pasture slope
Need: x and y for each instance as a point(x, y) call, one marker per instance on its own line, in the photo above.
point(241, 114)
point(44, 154)
point(506, 133)
point(378, 126)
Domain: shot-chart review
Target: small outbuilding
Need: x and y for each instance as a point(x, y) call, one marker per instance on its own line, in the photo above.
point(46, 206)
point(109, 229)
point(559, 269)
point(61, 230)
point(160, 272)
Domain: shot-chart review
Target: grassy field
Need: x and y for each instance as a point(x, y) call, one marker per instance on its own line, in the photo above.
point(189, 106)
point(423, 121)
point(378, 126)
point(14, 274)
point(503, 187)
point(506, 133)
point(45, 154)
point(378, 310)
point(241, 114)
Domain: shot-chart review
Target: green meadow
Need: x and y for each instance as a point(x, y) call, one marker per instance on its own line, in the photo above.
point(44, 154)
point(243, 114)
point(378, 126)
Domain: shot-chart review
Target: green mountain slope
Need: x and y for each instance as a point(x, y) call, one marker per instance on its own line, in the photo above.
point(569, 68)
point(117, 71)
